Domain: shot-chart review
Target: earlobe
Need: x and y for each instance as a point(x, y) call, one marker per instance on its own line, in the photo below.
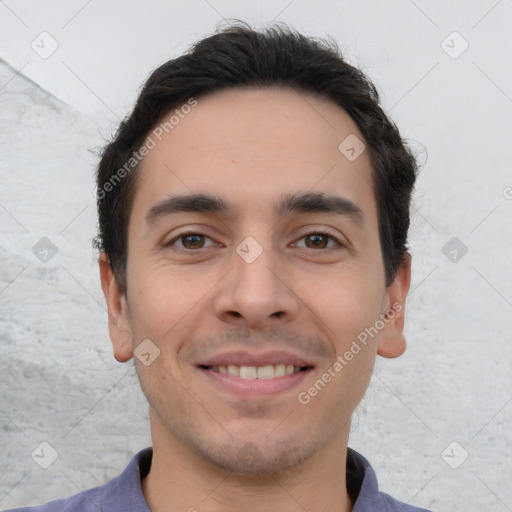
point(392, 341)
point(118, 314)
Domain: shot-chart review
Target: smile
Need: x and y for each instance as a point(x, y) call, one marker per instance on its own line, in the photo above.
point(269, 371)
point(254, 382)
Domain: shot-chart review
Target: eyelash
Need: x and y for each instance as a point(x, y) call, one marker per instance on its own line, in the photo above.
point(309, 233)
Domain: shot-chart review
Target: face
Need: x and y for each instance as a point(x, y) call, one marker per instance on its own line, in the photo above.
point(253, 251)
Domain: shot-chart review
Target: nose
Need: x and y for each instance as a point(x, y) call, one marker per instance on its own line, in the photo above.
point(256, 292)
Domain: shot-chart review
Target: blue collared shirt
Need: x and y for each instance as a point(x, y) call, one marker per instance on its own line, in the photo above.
point(124, 493)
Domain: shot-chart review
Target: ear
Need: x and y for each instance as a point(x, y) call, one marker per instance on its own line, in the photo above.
point(392, 340)
point(119, 326)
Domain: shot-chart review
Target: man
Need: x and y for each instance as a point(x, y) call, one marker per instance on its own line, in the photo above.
point(253, 214)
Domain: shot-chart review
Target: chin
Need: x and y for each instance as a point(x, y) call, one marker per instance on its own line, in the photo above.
point(264, 457)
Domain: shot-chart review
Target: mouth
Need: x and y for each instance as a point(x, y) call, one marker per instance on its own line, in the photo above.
point(250, 376)
point(265, 372)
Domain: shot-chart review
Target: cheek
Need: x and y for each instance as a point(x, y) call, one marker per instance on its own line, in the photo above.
point(167, 301)
point(349, 304)
point(159, 299)
point(348, 300)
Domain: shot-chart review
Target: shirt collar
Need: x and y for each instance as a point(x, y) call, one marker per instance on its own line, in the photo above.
point(127, 488)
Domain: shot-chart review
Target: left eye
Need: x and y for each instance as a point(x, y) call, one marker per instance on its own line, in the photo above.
point(319, 240)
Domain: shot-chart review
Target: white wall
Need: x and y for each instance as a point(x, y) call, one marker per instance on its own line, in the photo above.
point(59, 382)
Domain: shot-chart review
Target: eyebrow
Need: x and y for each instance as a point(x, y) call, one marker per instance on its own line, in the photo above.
point(308, 202)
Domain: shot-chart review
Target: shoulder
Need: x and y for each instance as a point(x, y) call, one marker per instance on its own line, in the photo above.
point(122, 493)
point(363, 487)
point(390, 504)
point(87, 501)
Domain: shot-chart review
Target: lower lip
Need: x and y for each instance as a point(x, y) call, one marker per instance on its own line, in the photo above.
point(252, 388)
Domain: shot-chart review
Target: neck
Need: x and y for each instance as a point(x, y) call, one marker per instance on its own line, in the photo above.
point(180, 479)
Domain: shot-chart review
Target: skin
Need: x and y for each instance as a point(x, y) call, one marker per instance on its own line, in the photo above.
point(250, 147)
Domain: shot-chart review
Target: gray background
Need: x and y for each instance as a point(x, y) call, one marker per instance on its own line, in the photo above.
point(449, 397)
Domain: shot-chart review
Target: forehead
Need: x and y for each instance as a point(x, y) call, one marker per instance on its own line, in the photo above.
point(253, 146)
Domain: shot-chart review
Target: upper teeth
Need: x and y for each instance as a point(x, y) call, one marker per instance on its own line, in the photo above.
point(269, 371)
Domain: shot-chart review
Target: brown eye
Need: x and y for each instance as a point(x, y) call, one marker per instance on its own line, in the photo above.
point(192, 241)
point(189, 242)
point(318, 240)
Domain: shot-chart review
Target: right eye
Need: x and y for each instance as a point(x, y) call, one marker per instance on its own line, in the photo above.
point(189, 241)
